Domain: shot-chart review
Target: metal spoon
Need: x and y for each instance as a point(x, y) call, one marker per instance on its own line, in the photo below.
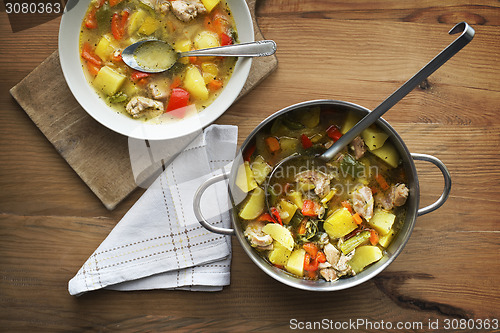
point(373, 116)
point(154, 56)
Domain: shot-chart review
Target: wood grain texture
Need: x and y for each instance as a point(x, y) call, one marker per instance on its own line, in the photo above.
point(358, 51)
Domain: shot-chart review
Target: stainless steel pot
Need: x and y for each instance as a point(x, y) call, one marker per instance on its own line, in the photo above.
point(391, 252)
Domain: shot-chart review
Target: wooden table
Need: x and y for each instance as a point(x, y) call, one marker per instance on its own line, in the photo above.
point(357, 51)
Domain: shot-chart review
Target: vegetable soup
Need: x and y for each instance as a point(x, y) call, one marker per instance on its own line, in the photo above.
point(325, 220)
point(189, 86)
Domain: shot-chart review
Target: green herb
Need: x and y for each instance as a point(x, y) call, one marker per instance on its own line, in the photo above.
point(119, 97)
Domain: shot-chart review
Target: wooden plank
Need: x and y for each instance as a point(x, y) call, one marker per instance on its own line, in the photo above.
point(474, 12)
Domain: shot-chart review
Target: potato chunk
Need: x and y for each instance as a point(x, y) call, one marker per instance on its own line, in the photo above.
point(109, 81)
point(386, 240)
point(105, 47)
point(388, 153)
point(206, 39)
point(149, 26)
point(136, 20)
point(260, 169)
point(364, 256)
point(339, 224)
point(295, 264)
point(280, 234)
point(210, 4)
point(350, 121)
point(254, 206)
point(279, 254)
point(183, 45)
point(245, 178)
point(382, 221)
point(374, 138)
point(194, 83)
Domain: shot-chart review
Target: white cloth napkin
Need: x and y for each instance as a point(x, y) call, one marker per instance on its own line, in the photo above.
point(159, 244)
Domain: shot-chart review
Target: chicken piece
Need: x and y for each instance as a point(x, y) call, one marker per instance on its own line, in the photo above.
point(187, 10)
point(396, 196)
point(329, 274)
point(358, 146)
point(320, 180)
point(325, 264)
point(159, 89)
point(400, 194)
point(363, 201)
point(257, 237)
point(337, 260)
point(331, 253)
point(342, 266)
point(163, 6)
point(139, 106)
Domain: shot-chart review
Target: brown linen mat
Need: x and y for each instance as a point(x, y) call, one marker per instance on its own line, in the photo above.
point(98, 155)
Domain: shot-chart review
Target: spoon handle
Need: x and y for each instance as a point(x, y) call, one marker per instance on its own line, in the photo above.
point(261, 48)
point(431, 67)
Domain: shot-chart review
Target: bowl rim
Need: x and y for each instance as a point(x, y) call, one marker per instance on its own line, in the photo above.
point(390, 253)
point(90, 101)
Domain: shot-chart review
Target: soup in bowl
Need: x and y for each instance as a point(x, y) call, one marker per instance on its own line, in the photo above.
point(189, 96)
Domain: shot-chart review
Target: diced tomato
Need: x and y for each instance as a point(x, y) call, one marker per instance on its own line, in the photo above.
point(249, 152)
point(320, 257)
point(276, 215)
point(306, 142)
point(91, 20)
point(266, 217)
point(118, 23)
point(225, 39)
point(93, 68)
point(308, 208)
point(310, 264)
point(179, 98)
point(137, 75)
point(333, 132)
point(114, 2)
point(311, 248)
point(116, 56)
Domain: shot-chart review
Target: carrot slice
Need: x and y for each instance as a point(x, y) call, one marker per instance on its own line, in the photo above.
point(357, 218)
point(272, 144)
point(214, 85)
point(347, 205)
point(374, 237)
point(382, 182)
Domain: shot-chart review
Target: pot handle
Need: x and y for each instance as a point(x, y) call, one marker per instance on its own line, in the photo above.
point(447, 182)
point(197, 207)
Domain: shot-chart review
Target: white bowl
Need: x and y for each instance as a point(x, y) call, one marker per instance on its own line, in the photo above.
point(69, 34)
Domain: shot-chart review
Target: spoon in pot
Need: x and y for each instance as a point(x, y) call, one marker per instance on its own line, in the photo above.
point(155, 56)
point(467, 33)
